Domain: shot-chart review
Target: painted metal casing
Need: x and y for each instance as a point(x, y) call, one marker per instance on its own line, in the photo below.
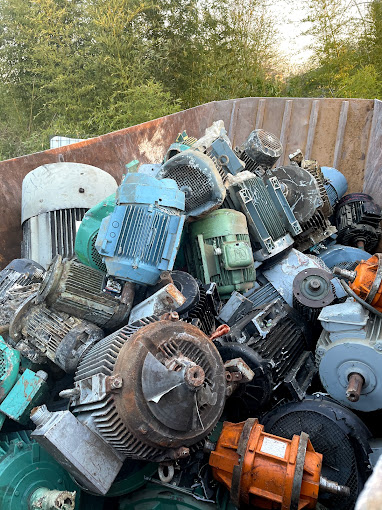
point(336, 184)
point(141, 237)
point(55, 198)
point(351, 342)
point(197, 176)
point(87, 233)
point(25, 468)
point(220, 251)
point(271, 222)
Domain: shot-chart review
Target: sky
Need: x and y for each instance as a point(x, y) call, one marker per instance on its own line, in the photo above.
point(292, 41)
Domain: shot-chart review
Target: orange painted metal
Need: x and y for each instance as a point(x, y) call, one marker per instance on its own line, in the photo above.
point(368, 282)
point(261, 470)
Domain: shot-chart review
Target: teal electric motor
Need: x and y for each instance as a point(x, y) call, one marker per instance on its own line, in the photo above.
point(171, 498)
point(21, 389)
point(219, 250)
point(30, 479)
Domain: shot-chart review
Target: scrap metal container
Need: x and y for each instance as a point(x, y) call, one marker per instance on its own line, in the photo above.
point(345, 134)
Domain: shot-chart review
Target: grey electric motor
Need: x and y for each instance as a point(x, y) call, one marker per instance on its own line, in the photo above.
point(55, 198)
point(41, 334)
point(81, 291)
point(148, 391)
point(260, 151)
point(349, 355)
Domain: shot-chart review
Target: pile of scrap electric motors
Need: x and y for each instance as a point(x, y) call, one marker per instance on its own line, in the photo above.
point(206, 335)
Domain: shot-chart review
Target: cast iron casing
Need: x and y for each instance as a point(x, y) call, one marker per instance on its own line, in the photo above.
point(151, 391)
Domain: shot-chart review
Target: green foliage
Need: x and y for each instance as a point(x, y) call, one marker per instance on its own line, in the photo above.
point(84, 68)
point(347, 58)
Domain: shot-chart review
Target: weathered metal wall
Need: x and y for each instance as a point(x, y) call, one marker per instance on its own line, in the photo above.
point(340, 133)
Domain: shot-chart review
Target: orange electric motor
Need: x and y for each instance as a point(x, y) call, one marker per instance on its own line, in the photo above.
point(266, 471)
point(366, 280)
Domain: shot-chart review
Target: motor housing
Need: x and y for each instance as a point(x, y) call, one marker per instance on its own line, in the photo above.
point(260, 151)
point(148, 391)
point(349, 355)
point(55, 198)
point(265, 471)
point(271, 222)
point(81, 291)
point(220, 251)
point(337, 433)
point(140, 238)
point(40, 334)
point(197, 176)
point(358, 221)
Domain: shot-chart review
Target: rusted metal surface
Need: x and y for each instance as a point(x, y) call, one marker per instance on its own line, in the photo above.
point(348, 133)
point(354, 388)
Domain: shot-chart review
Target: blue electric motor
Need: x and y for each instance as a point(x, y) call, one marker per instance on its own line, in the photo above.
point(335, 184)
point(140, 238)
point(345, 257)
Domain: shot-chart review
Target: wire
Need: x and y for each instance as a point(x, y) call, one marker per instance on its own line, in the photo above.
point(360, 300)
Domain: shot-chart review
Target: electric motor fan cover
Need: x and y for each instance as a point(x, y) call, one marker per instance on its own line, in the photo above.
point(337, 433)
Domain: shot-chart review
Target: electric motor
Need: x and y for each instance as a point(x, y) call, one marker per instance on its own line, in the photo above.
point(40, 334)
point(80, 291)
point(55, 198)
point(358, 220)
point(260, 151)
point(31, 478)
point(147, 392)
point(349, 355)
point(312, 290)
point(366, 280)
point(300, 189)
point(140, 238)
point(306, 194)
point(273, 340)
point(19, 273)
point(336, 184)
point(344, 257)
point(219, 251)
point(337, 433)
point(88, 231)
point(282, 273)
point(202, 301)
point(197, 176)
point(265, 471)
point(271, 222)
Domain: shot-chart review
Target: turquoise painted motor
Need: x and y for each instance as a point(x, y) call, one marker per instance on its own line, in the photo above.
point(141, 237)
point(172, 498)
point(30, 479)
point(19, 393)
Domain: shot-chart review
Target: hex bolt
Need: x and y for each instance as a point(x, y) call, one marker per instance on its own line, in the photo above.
point(353, 391)
point(315, 284)
point(116, 383)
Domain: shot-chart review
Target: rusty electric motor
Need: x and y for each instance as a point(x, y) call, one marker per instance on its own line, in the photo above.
point(165, 389)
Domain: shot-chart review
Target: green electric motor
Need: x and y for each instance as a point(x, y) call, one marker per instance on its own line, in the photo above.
point(219, 250)
point(30, 478)
point(87, 234)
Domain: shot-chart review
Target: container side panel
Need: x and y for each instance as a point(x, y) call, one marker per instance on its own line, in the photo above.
point(303, 123)
point(373, 170)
